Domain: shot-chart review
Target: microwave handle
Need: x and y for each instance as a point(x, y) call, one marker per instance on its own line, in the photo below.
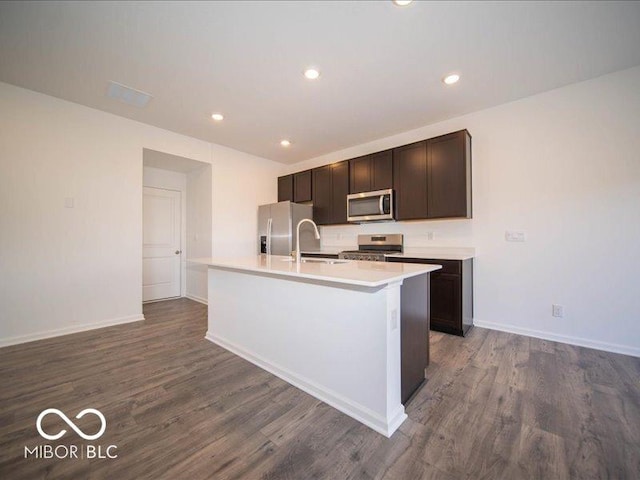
point(381, 205)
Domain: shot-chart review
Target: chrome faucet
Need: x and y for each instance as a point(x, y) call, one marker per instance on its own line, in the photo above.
point(317, 234)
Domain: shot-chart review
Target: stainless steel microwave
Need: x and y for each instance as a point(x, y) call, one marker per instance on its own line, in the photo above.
point(370, 206)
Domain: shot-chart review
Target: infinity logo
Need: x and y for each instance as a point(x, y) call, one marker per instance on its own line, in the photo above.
point(46, 412)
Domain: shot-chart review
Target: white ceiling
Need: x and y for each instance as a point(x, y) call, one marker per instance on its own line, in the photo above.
point(381, 65)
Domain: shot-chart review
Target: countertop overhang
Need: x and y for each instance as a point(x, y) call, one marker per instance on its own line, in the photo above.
point(361, 273)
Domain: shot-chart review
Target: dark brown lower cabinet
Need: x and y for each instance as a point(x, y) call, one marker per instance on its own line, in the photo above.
point(414, 334)
point(451, 293)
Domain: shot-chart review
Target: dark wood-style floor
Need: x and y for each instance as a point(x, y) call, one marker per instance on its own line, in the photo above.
point(496, 406)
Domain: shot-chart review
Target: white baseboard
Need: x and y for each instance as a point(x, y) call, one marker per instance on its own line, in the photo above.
point(580, 342)
point(337, 401)
point(32, 337)
point(197, 299)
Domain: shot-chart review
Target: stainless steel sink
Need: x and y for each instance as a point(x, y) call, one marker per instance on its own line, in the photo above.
point(330, 261)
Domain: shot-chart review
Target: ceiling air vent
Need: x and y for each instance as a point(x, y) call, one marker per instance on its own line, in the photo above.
point(128, 95)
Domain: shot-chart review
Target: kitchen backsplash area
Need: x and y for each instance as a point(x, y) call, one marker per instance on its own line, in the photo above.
point(418, 234)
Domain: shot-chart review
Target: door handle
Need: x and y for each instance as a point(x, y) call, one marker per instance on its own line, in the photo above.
point(178, 252)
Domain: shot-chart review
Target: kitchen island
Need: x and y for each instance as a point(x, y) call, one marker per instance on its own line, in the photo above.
point(353, 334)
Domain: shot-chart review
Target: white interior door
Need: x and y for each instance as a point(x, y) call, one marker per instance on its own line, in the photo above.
point(161, 251)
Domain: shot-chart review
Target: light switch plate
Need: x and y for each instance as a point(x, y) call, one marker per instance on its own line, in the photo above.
point(514, 236)
point(68, 202)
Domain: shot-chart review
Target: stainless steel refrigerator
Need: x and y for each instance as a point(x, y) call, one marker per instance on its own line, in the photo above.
point(277, 224)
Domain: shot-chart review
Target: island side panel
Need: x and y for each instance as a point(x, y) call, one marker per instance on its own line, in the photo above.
point(336, 342)
point(414, 333)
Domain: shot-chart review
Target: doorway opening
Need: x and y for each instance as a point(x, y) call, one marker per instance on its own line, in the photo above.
point(176, 222)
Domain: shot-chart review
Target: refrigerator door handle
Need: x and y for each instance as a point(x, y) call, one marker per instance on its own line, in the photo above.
point(269, 226)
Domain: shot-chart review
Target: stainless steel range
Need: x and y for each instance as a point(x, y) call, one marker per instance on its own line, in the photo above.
point(374, 247)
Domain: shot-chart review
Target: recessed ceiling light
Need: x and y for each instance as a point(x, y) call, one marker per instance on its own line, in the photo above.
point(285, 143)
point(451, 79)
point(402, 3)
point(311, 73)
point(218, 117)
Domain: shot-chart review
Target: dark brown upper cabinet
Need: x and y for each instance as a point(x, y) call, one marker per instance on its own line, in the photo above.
point(285, 188)
point(360, 174)
point(371, 172)
point(431, 179)
point(330, 189)
point(410, 181)
point(449, 175)
point(340, 179)
point(302, 189)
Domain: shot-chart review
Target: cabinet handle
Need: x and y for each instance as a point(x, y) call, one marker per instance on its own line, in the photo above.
point(178, 252)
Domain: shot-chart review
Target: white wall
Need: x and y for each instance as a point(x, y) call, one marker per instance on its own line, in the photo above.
point(564, 167)
point(240, 183)
point(68, 269)
point(199, 183)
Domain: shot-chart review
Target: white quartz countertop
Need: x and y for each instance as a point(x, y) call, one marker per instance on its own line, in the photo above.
point(367, 274)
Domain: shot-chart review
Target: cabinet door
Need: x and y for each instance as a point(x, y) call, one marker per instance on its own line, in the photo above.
point(410, 180)
point(360, 174)
point(285, 188)
point(340, 189)
point(322, 198)
point(382, 170)
point(446, 301)
point(449, 175)
point(302, 186)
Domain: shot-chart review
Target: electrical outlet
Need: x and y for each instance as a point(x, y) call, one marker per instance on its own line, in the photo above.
point(557, 310)
point(430, 235)
point(68, 202)
point(514, 236)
